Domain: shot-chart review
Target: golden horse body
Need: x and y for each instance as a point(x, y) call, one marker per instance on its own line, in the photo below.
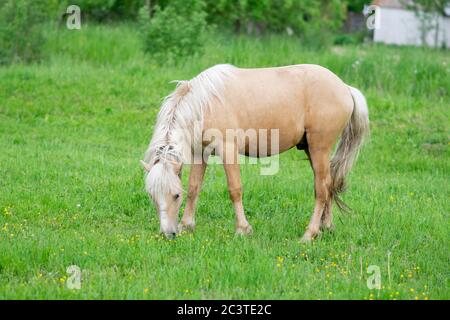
point(307, 106)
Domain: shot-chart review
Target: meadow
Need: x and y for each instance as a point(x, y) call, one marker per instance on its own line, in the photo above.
point(74, 127)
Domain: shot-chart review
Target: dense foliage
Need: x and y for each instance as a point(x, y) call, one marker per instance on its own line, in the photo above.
point(21, 32)
point(173, 28)
point(255, 16)
point(101, 10)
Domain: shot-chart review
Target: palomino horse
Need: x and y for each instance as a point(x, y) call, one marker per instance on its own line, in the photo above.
point(308, 105)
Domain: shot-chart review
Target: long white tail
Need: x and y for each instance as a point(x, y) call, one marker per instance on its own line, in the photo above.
point(347, 150)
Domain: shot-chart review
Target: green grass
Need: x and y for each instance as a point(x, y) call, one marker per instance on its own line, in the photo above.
point(72, 131)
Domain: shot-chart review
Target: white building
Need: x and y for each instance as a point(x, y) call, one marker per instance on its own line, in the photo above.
point(399, 25)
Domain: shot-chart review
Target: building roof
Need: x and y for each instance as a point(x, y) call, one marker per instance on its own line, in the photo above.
point(398, 4)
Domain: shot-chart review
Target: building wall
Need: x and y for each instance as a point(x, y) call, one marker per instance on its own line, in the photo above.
point(403, 27)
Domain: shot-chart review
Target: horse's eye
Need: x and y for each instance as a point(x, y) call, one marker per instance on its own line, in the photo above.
point(176, 196)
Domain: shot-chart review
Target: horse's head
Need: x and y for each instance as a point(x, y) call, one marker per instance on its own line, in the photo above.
point(163, 184)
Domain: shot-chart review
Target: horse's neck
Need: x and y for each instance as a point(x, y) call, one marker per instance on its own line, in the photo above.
point(180, 121)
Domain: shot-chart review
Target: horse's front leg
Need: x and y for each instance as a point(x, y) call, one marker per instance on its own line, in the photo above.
point(233, 174)
point(195, 183)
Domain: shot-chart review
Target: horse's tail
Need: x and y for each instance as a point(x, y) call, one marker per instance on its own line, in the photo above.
point(348, 147)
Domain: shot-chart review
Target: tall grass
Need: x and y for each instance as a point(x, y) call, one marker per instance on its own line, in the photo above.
point(394, 69)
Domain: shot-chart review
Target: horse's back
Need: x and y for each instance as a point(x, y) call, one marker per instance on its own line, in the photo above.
point(296, 82)
point(293, 88)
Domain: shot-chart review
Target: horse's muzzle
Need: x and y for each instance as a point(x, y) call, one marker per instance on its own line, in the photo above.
point(170, 235)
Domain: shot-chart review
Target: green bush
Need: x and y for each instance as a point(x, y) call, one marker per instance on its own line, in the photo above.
point(176, 30)
point(21, 29)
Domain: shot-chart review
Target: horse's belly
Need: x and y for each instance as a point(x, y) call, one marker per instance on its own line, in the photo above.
point(268, 142)
point(261, 133)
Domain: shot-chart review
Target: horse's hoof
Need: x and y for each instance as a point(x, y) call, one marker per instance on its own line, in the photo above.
point(244, 230)
point(186, 227)
point(170, 236)
point(308, 236)
point(306, 239)
point(328, 227)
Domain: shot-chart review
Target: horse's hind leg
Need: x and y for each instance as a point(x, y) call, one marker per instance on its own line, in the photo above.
point(327, 217)
point(318, 151)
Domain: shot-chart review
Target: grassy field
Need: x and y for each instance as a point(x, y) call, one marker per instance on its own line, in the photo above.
point(72, 131)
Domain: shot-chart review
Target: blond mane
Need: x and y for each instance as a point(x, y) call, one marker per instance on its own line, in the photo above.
point(183, 109)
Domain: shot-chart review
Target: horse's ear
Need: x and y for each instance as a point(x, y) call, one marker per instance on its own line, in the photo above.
point(145, 165)
point(177, 166)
